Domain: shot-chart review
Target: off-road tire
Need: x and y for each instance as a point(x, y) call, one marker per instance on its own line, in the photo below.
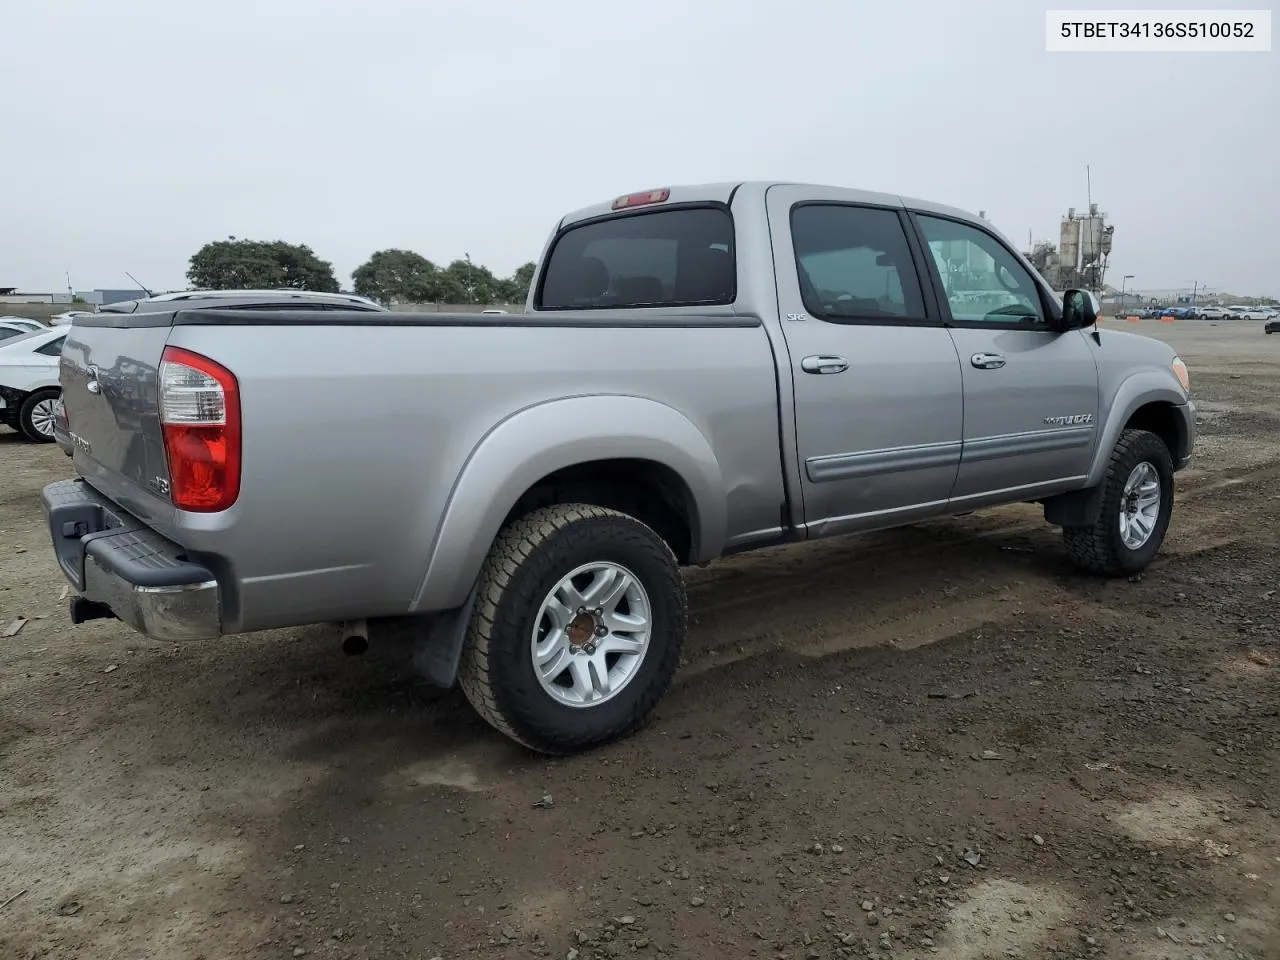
point(25, 425)
point(1099, 548)
point(527, 559)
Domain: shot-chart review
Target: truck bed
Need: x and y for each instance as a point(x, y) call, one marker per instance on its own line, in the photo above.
point(356, 428)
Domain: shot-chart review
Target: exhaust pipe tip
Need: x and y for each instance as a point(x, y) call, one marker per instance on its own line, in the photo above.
point(355, 644)
point(355, 637)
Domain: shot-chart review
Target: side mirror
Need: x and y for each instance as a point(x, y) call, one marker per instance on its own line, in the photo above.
point(1079, 310)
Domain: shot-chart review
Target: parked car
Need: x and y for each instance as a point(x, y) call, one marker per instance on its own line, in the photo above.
point(1211, 313)
point(17, 326)
point(1242, 312)
point(516, 495)
point(26, 322)
point(70, 316)
point(29, 385)
point(1273, 326)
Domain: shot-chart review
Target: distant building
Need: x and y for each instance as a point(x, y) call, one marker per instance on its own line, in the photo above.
point(99, 297)
point(14, 295)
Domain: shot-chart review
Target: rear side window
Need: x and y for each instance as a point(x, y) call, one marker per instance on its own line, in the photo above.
point(853, 263)
point(667, 258)
point(53, 348)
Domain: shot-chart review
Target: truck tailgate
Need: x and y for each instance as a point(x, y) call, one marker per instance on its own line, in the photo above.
point(109, 391)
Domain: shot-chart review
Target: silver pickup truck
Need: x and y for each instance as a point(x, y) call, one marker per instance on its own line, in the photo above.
point(699, 371)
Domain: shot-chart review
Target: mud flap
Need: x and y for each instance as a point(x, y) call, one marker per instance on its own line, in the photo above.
point(437, 654)
point(1079, 508)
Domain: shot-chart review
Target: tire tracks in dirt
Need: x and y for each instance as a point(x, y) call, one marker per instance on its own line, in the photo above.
point(926, 583)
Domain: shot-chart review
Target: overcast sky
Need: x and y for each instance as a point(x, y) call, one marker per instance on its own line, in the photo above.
point(133, 131)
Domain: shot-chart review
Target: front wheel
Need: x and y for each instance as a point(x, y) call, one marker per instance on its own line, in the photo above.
point(579, 621)
point(1137, 502)
point(37, 415)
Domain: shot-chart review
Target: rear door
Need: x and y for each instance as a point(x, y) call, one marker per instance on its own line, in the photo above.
point(876, 380)
point(1030, 392)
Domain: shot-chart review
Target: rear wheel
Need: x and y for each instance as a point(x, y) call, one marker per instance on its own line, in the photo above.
point(579, 621)
point(1137, 502)
point(36, 415)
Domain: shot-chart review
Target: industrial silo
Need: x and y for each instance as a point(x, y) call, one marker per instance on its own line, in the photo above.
point(1069, 242)
point(1091, 235)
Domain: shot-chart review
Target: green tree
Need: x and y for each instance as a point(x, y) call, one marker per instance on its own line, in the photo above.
point(399, 276)
point(235, 264)
point(469, 282)
point(520, 281)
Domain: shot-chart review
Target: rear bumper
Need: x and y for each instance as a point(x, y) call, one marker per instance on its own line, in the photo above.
point(111, 558)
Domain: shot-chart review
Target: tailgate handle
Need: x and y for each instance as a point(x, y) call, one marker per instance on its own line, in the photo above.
point(93, 386)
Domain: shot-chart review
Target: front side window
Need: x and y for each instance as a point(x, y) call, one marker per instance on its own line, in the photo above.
point(667, 258)
point(983, 281)
point(854, 264)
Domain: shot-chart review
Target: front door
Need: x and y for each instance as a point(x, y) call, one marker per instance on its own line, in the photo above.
point(875, 377)
point(1030, 392)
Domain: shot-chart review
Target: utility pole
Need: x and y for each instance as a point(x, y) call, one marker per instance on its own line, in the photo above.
point(471, 280)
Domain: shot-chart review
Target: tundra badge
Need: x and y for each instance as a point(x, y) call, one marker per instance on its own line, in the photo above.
point(1071, 420)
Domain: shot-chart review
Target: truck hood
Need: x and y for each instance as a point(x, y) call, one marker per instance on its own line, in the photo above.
point(1135, 346)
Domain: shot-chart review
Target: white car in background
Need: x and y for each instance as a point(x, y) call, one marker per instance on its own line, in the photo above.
point(1212, 313)
point(1241, 312)
point(29, 389)
point(17, 326)
point(65, 319)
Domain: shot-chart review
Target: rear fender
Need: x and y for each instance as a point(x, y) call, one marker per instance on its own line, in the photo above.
point(551, 436)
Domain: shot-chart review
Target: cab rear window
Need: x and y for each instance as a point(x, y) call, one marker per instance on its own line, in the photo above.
point(665, 258)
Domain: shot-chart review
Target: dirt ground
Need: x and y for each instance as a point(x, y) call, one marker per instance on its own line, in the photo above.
point(932, 741)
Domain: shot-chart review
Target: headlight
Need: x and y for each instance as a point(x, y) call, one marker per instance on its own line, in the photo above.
point(1180, 371)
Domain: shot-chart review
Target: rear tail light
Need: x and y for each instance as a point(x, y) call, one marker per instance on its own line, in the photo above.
point(200, 416)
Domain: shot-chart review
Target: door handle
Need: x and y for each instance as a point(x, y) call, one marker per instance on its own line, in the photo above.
point(824, 364)
point(987, 361)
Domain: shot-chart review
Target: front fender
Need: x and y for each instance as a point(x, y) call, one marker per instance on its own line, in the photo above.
point(1135, 391)
point(539, 440)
